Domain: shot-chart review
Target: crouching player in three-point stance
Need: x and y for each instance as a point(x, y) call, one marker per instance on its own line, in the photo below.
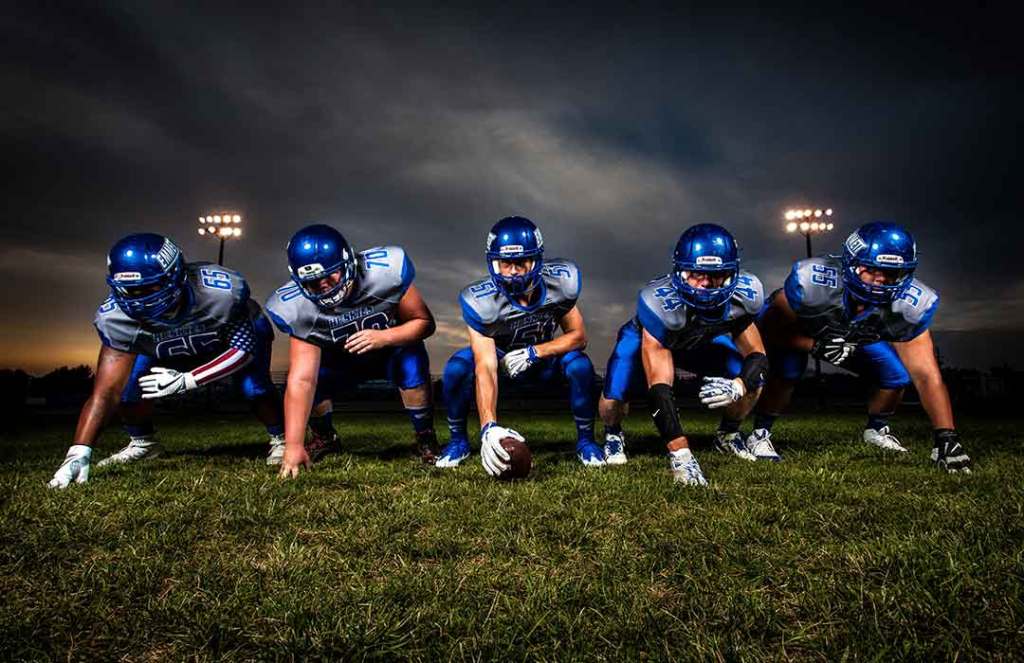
point(699, 317)
point(512, 318)
point(168, 327)
point(352, 317)
point(865, 312)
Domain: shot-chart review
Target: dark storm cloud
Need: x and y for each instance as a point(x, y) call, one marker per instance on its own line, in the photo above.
point(421, 128)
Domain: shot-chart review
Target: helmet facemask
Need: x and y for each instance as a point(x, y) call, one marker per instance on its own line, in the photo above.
point(149, 298)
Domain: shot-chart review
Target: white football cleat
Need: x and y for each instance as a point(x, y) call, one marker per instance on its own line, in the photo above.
point(884, 439)
point(732, 443)
point(615, 449)
point(276, 450)
point(685, 469)
point(759, 443)
point(139, 448)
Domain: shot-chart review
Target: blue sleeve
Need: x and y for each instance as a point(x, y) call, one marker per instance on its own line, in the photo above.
point(651, 321)
point(471, 317)
point(408, 272)
point(926, 319)
point(279, 322)
point(794, 291)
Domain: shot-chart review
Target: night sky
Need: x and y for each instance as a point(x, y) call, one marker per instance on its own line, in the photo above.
point(613, 131)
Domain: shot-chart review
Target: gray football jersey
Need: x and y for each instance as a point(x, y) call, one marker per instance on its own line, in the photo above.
point(486, 309)
point(220, 301)
point(677, 326)
point(383, 275)
point(815, 290)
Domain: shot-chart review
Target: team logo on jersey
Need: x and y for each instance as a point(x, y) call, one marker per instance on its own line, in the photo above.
point(709, 261)
point(310, 270)
point(511, 249)
point(854, 244)
point(167, 254)
point(889, 259)
point(128, 276)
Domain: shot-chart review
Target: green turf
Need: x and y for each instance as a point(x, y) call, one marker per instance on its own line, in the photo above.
point(838, 552)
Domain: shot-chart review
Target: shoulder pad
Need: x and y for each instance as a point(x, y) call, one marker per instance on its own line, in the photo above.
point(291, 312)
point(385, 272)
point(213, 280)
point(659, 308)
point(115, 328)
point(749, 293)
point(479, 303)
point(563, 276)
point(917, 306)
point(814, 282)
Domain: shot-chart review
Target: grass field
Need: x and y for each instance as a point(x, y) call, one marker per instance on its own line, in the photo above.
point(838, 552)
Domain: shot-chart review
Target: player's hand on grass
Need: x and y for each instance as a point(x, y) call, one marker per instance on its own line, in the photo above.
point(947, 453)
point(518, 361)
point(492, 454)
point(719, 392)
point(160, 382)
point(294, 459)
point(366, 340)
point(74, 468)
point(834, 350)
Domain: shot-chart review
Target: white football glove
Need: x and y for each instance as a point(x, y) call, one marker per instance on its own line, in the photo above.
point(492, 454)
point(719, 392)
point(517, 361)
point(74, 468)
point(835, 351)
point(162, 382)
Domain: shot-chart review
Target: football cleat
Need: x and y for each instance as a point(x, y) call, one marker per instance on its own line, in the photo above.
point(319, 446)
point(589, 453)
point(426, 447)
point(948, 455)
point(276, 450)
point(453, 453)
point(732, 443)
point(139, 448)
point(615, 449)
point(759, 443)
point(685, 468)
point(883, 439)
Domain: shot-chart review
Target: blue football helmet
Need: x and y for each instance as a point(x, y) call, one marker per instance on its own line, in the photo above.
point(316, 252)
point(515, 238)
point(706, 248)
point(879, 245)
point(146, 275)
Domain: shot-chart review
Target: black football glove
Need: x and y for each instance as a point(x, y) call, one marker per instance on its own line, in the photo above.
point(833, 350)
point(947, 453)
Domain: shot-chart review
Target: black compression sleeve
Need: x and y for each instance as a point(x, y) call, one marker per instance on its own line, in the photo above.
point(663, 409)
point(754, 371)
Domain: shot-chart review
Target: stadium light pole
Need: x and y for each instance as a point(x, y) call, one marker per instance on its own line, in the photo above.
point(221, 226)
point(810, 222)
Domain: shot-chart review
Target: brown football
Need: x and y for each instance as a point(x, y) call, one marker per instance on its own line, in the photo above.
point(520, 461)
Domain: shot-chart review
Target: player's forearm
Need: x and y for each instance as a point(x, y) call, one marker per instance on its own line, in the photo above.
point(935, 400)
point(410, 331)
point(298, 400)
point(574, 340)
point(94, 415)
point(487, 392)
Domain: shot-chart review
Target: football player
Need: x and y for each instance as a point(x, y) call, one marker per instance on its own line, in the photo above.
point(865, 312)
point(511, 317)
point(700, 316)
point(168, 327)
point(351, 317)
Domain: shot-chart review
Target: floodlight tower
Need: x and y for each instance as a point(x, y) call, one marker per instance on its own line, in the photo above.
point(811, 222)
point(221, 226)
